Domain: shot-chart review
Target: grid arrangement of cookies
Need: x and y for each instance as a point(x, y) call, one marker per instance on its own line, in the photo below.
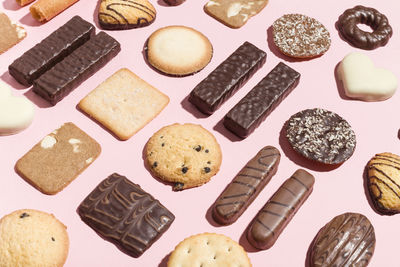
point(187, 156)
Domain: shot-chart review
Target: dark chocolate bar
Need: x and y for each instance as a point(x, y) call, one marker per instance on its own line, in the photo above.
point(280, 209)
point(227, 78)
point(51, 50)
point(253, 109)
point(246, 186)
point(125, 215)
point(68, 74)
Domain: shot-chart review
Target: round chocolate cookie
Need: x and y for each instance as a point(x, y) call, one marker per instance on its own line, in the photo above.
point(347, 26)
point(187, 155)
point(384, 182)
point(300, 36)
point(178, 50)
point(321, 135)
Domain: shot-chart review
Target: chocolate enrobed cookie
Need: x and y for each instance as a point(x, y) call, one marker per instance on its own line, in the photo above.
point(321, 135)
point(347, 240)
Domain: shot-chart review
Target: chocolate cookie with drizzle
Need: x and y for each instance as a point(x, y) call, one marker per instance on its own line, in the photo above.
point(384, 182)
point(125, 14)
point(246, 186)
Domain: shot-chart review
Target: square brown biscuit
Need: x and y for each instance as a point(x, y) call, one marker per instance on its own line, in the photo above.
point(124, 103)
point(58, 159)
point(10, 33)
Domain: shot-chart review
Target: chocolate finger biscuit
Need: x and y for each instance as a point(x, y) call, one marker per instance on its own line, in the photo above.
point(246, 186)
point(272, 219)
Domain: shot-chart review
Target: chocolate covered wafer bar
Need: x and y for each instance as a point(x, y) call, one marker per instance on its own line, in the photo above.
point(270, 221)
point(253, 109)
point(125, 215)
point(227, 78)
point(51, 50)
point(246, 186)
point(64, 77)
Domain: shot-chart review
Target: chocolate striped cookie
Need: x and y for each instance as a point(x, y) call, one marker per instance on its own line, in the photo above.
point(125, 14)
point(246, 185)
point(384, 182)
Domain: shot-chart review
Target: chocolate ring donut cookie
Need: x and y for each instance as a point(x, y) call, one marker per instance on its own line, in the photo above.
point(347, 25)
point(321, 135)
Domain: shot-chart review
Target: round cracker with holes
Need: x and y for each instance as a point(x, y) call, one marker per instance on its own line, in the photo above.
point(209, 250)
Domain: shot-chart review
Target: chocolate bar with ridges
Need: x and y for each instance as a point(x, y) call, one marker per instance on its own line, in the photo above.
point(51, 50)
point(254, 108)
point(64, 77)
point(347, 240)
point(246, 186)
point(227, 78)
point(125, 215)
point(272, 219)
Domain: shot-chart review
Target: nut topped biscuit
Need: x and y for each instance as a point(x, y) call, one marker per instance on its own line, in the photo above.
point(31, 238)
point(184, 154)
point(209, 249)
point(58, 159)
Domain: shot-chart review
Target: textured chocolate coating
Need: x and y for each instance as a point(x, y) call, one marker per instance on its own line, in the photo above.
point(246, 186)
point(347, 240)
point(227, 78)
point(321, 135)
point(64, 77)
point(272, 219)
point(254, 108)
point(51, 50)
point(347, 25)
point(125, 215)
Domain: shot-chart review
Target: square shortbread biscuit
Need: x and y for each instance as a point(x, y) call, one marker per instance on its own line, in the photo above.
point(124, 103)
point(58, 159)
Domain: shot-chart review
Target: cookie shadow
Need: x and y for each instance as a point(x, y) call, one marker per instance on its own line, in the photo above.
point(245, 243)
point(307, 261)
point(298, 159)
point(11, 5)
point(30, 21)
point(37, 100)
point(398, 134)
point(275, 50)
point(219, 127)
point(7, 78)
point(95, 14)
point(189, 107)
point(339, 84)
point(164, 261)
point(210, 218)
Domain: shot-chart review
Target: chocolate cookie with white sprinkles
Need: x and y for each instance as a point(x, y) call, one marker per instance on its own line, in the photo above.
point(321, 135)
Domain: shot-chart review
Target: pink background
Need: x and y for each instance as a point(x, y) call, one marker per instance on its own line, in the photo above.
point(335, 191)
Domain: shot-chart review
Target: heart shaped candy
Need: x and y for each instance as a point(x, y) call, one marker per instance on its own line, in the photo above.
point(16, 113)
point(362, 80)
point(125, 14)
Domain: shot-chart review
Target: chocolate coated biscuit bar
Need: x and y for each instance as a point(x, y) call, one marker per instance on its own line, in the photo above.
point(251, 110)
point(51, 50)
point(64, 77)
point(227, 78)
point(125, 215)
point(246, 186)
point(279, 210)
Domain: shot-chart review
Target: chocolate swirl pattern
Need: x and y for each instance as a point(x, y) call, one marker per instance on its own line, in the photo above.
point(384, 182)
point(122, 213)
point(125, 14)
point(347, 240)
point(246, 186)
point(272, 219)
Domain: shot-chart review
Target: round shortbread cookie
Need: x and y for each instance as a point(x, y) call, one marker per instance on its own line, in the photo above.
point(178, 50)
point(209, 250)
point(187, 155)
point(32, 238)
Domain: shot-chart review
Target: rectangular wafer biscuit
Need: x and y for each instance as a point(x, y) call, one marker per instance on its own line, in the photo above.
point(58, 159)
point(124, 103)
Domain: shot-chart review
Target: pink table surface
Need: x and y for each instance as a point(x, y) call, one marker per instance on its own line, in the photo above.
point(335, 191)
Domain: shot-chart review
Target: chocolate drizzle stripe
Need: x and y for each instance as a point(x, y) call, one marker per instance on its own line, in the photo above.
point(384, 164)
point(388, 186)
point(231, 203)
point(253, 168)
point(300, 182)
point(244, 184)
point(236, 195)
point(290, 191)
point(273, 213)
point(280, 204)
point(367, 233)
point(132, 4)
point(250, 176)
point(266, 227)
point(266, 156)
point(111, 16)
point(387, 176)
point(387, 157)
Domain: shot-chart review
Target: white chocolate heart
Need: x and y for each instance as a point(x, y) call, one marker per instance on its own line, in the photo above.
point(16, 112)
point(362, 80)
